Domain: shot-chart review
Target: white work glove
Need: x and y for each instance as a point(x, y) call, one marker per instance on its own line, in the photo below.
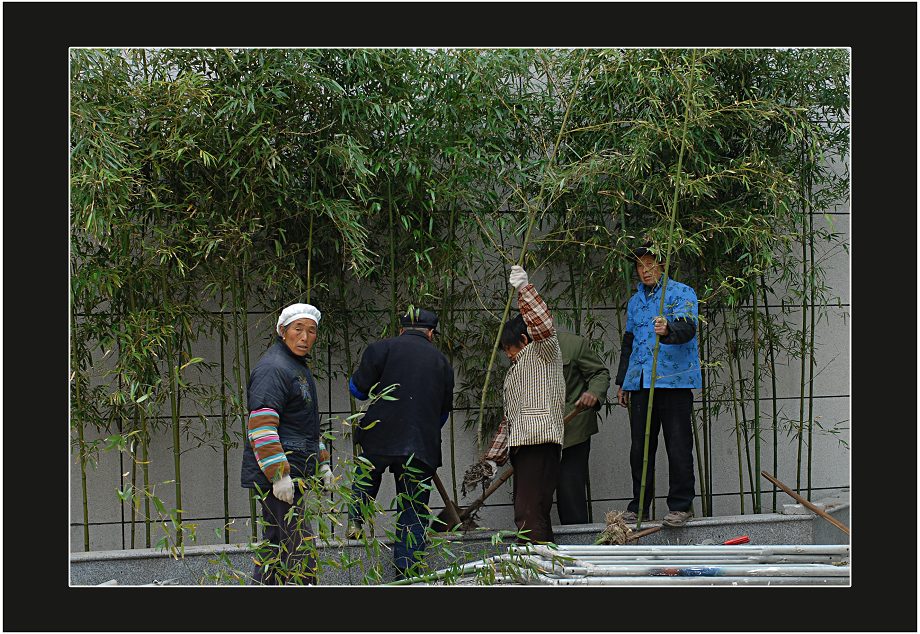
point(518, 277)
point(326, 472)
point(491, 466)
point(283, 489)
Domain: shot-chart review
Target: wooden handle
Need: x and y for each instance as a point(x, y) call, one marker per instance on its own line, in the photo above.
point(811, 507)
point(643, 533)
point(474, 506)
point(452, 514)
point(575, 412)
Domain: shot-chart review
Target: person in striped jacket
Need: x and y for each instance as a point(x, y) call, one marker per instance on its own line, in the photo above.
point(531, 431)
point(283, 444)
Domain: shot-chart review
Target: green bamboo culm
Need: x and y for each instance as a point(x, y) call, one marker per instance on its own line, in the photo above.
point(703, 334)
point(224, 436)
point(135, 505)
point(741, 393)
point(174, 411)
point(82, 441)
point(531, 218)
point(757, 469)
point(145, 441)
point(731, 383)
point(145, 468)
point(394, 321)
point(451, 331)
point(699, 463)
point(769, 327)
point(798, 464)
point(811, 330)
point(664, 284)
point(241, 407)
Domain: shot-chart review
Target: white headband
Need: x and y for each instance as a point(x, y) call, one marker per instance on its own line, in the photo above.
point(295, 312)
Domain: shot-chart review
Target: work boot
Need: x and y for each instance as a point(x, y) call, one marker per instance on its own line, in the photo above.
point(675, 519)
point(631, 517)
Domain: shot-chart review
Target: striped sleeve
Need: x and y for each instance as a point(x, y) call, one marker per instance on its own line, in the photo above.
point(498, 449)
point(535, 313)
point(539, 323)
point(262, 431)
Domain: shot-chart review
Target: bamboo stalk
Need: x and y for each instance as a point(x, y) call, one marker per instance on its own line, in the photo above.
point(346, 336)
point(451, 329)
point(394, 308)
point(235, 298)
point(664, 284)
point(121, 462)
point(224, 436)
point(309, 257)
point(757, 501)
point(811, 331)
point(174, 412)
point(82, 454)
point(699, 465)
point(703, 459)
point(798, 471)
point(769, 326)
point(709, 427)
point(134, 498)
point(145, 468)
point(744, 425)
point(731, 383)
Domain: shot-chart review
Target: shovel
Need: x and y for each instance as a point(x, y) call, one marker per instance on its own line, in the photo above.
point(449, 517)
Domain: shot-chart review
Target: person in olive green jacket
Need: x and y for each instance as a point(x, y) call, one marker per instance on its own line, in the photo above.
point(586, 383)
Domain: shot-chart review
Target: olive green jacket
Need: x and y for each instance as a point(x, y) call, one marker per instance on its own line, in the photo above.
point(584, 371)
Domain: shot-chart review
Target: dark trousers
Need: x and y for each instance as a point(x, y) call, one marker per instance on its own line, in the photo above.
point(536, 474)
point(288, 544)
point(571, 501)
point(411, 502)
point(672, 412)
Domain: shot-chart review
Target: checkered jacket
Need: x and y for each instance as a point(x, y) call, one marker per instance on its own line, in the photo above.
point(534, 390)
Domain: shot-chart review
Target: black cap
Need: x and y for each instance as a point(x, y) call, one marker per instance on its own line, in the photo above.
point(419, 318)
point(645, 249)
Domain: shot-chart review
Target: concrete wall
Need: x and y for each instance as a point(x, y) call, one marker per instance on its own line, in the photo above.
point(205, 565)
point(202, 468)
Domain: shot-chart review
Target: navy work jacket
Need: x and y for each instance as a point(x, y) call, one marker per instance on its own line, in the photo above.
point(412, 423)
point(282, 381)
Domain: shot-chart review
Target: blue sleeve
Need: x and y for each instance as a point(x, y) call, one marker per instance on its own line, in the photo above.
point(358, 394)
point(684, 305)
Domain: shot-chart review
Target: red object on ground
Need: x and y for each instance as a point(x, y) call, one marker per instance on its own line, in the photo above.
point(744, 539)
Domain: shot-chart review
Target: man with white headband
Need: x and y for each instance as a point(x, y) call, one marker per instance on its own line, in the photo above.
point(284, 442)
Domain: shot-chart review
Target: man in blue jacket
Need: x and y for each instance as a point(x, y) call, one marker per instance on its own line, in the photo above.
point(678, 371)
point(403, 435)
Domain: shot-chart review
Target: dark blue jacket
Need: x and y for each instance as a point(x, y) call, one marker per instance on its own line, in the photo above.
point(282, 381)
point(412, 424)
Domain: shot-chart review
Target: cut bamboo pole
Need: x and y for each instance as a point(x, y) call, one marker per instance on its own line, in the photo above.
point(811, 507)
point(664, 284)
